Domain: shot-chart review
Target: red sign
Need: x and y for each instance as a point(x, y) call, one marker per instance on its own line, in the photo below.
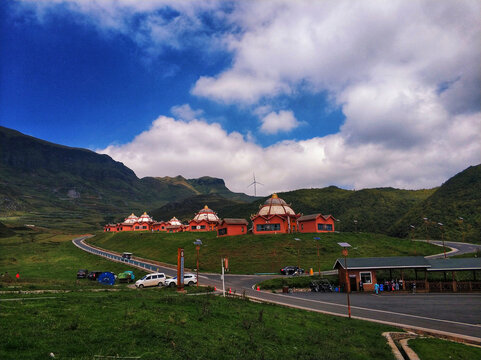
point(180, 269)
point(344, 252)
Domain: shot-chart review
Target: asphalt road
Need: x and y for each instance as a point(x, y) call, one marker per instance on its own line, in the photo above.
point(457, 248)
point(455, 314)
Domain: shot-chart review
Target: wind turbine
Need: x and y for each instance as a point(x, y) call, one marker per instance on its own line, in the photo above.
point(255, 184)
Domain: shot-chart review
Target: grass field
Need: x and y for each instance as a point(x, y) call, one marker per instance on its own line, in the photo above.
point(49, 260)
point(259, 254)
point(160, 324)
point(437, 349)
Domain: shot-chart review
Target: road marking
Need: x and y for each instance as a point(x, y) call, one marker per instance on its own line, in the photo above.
point(385, 312)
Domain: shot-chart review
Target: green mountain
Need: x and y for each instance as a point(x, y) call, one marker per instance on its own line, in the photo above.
point(46, 184)
point(459, 197)
point(51, 185)
point(374, 209)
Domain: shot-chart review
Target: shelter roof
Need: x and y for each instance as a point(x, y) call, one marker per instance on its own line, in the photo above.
point(450, 264)
point(392, 262)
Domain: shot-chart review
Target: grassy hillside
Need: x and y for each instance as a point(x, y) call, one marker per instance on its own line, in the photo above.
point(460, 196)
point(261, 253)
point(49, 260)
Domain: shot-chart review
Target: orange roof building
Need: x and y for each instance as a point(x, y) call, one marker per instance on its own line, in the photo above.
point(274, 217)
point(316, 223)
point(205, 220)
point(232, 227)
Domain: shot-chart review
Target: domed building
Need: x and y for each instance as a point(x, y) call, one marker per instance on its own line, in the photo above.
point(274, 217)
point(205, 220)
point(132, 223)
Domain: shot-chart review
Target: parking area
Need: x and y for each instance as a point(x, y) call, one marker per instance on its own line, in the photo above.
point(461, 308)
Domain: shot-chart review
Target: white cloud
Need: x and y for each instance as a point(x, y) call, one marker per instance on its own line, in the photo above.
point(274, 122)
point(185, 112)
point(195, 148)
point(406, 75)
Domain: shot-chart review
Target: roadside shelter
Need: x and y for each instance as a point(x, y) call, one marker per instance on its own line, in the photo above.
point(367, 270)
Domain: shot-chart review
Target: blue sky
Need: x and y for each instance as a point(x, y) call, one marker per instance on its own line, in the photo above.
point(304, 94)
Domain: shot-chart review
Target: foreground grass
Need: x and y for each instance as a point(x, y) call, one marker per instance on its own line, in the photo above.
point(437, 349)
point(161, 324)
point(250, 254)
point(49, 260)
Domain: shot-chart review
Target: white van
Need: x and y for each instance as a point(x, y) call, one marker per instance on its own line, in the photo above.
point(156, 279)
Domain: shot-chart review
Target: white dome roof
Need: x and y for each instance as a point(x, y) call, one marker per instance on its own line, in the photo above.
point(275, 206)
point(145, 218)
point(206, 214)
point(174, 221)
point(131, 219)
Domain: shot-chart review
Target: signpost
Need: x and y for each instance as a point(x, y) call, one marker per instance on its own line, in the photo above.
point(346, 245)
point(180, 269)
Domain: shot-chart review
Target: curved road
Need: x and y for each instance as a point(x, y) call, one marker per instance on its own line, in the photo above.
point(456, 315)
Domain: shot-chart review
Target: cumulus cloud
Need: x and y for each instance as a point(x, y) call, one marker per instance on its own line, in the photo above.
point(195, 148)
point(185, 112)
point(405, 74)
point(274, 122)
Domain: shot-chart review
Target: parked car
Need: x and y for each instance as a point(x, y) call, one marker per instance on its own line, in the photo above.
point(156, 279)
point(291, 270)
point(82, 274)
point(126, 276)
point(189, 280)
point(94, 275)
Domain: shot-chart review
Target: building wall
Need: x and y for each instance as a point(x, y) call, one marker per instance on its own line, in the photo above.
point(311, 226)
point(207, 226)
point(233, 229)
point(357, 275)
point(274, 220)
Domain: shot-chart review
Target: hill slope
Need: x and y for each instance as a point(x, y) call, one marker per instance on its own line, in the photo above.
point(460, 196)
point(58, 186)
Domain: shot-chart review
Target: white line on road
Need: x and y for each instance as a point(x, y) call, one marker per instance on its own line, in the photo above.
point(385, 311)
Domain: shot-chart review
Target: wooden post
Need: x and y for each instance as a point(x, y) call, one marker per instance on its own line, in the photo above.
point(426, 282)
point(455, 285)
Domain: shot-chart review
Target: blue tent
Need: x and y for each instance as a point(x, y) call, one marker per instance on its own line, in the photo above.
point(107, 278)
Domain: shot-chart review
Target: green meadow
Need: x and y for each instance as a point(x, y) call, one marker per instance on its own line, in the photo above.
point(249, 254)
point(49, 260)
point(161, 324)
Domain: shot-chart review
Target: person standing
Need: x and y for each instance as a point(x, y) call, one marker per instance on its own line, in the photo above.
point(361, 286)
point(376, 288)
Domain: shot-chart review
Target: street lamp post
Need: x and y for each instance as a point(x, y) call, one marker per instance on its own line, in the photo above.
point(426, 222)
point(298, 261)
point(344, 246)
point(197, 244)
point(355, 225)
point(442, 237)
point(318, 255)
point(461, 220)
point(412, 227)
point(339, 222)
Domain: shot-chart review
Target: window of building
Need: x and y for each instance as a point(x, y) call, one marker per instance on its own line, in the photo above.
point(242, 228)
point(302, 226)
point(222, 231)
point(137, 227)
point(268, 227)
point(193, 227)
point(366, 277)
point(202, 226)
point(325, 227)
point(144, 227)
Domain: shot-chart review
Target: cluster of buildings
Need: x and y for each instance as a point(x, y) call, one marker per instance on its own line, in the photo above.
point(275, 216)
